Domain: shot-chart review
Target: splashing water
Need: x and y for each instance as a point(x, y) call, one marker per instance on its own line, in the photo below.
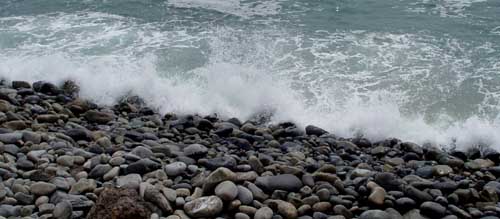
point(425, 72)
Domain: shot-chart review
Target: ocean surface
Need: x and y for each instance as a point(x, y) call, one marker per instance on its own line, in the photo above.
point(418, 70)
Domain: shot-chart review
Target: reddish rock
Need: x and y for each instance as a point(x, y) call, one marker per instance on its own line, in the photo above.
point(119, 203)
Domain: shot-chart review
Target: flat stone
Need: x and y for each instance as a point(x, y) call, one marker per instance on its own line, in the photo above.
point(42, 188)
point(313, 130)
point(46, 208)
point(195, 150)
point(287, 182)
point(143, 166)
point(432, 209)
point(23, 198)
point(99, 117)
point(11, 138)
point(111, 174)
point(99, 170)
point(224, 161)
point(77, 201)
point(9, 210)
point(66, 160)
point(441, 170)
point(83, 186)
point(142, 152)
point(374, 214)
point(130, 181)
point(479, 164)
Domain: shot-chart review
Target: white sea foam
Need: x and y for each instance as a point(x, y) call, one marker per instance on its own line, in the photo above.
point(239, 8)
point(444, 8)
point(376, 84)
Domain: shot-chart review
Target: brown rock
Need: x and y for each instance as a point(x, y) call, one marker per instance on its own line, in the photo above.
point(119, 203)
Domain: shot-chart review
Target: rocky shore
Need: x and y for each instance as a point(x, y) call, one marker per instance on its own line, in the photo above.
point(65, 157)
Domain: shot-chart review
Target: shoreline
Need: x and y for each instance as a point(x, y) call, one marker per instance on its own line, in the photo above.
point(65, 157)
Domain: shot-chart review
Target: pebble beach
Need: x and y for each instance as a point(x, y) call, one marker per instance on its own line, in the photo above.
point(62, 156)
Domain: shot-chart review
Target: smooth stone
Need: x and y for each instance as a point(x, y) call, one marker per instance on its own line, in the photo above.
point(256, 191)
point(130, 181)
point(99, 170)
point(388, 181)
point(23, 198)
point(322, 207)
point(287, 210)
point(413, 214)
point(404, 204)
point(46, 208)
point(63, 210)
point(25, 164)
point(358, 172)
point(20, 84)
point(244, 195)
point(10, 148)
point(42, 188)
point(66, 160)
point(286, 182)
point(313, 130)
point(226, 190)
point(111, 174)
point(208, 206)
point(98, 117)
point(224, 161)
point(153, 195)
point(432, 209)
point(377, 196)
point(374, 214)
point(26, 210)
point(5, 106)
point(116, 161)
point(83, 186)
point(41, 200)
point(417, 195)
point(240, 215)
point(441, 170)
point(219, 175)
point(11, 138)
point(478, 164)
point(342, 210)
point(62, 183)
point(7, 210)
point(142, 152)
point(264, 213)
point(77, 201)
point(175, 169)
point(195, 150)
point(143, 166)
point(323, 194)
point(393, 213)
